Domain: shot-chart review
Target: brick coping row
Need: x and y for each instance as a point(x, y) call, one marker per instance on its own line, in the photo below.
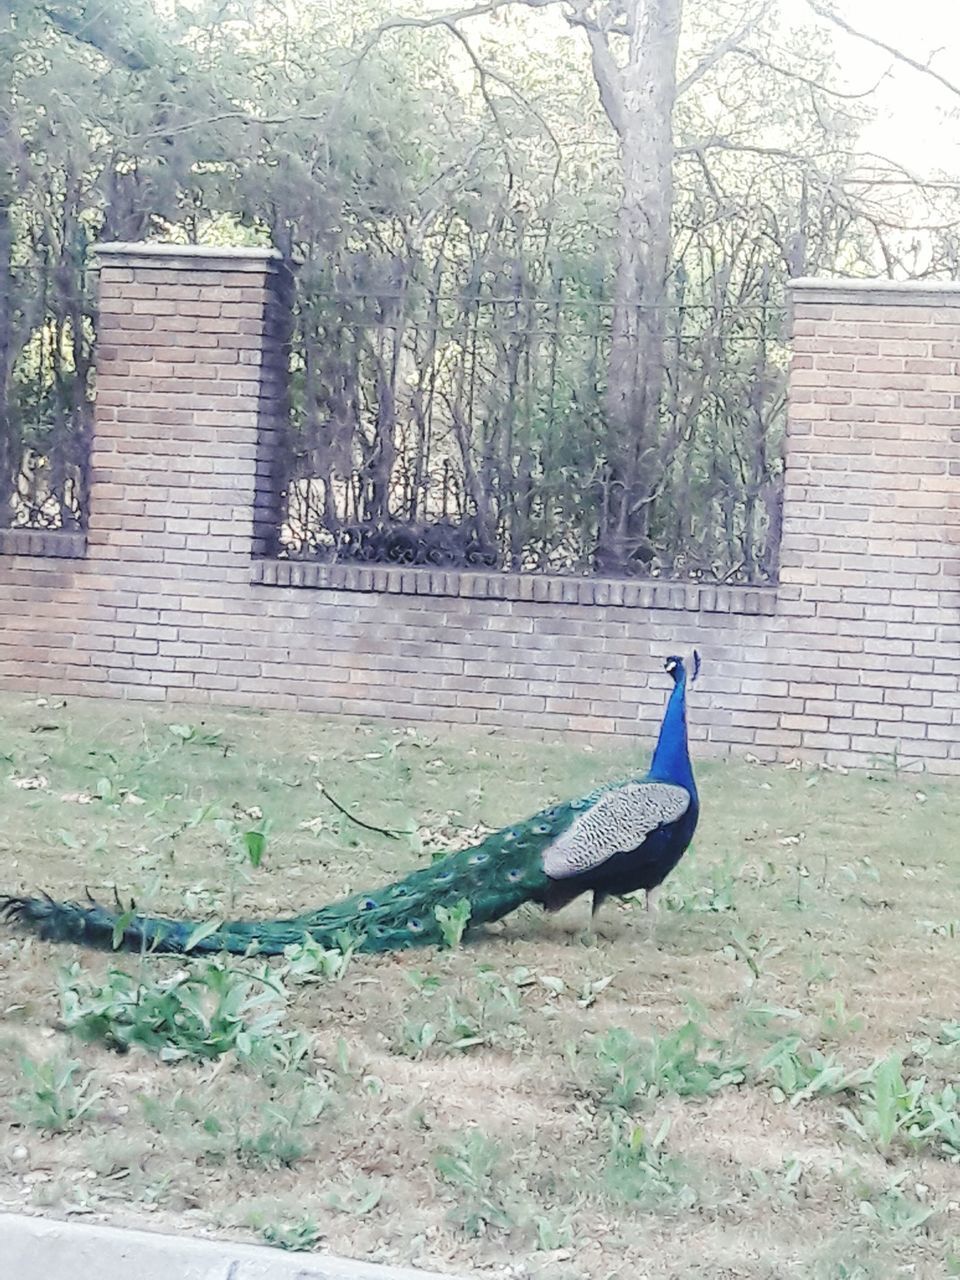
point(754, 601)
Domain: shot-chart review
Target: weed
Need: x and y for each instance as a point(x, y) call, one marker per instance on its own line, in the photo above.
point(210, 1010)
point(53, 1098)
point(755, 950)
point(552, 1231)
point(299, 1237)
point(277, 1136)
point(469, 1167)
point(484, 1012)
point(194, 736)
point(712, 891)
point(308, 961)
point(798, 1072)
point(639, 1171)
point(453, 922)
point(894, 1210)
point(891, 1108)
point(835, 1023)
point(358, 1197)
point(626, 1071)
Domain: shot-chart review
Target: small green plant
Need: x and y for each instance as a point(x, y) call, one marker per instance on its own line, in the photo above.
point(486, 1011)
point(358, 1197)
point(940, 1125)
point(716, 894)
point(627, 1071)
point(552, 1231)
point(211, 1010)
point(298, 1237)
point(892, 1209)
point(470, 1167)
point(756, 951)
point(278, 1134)
point(888, 1108)
point(416, 1037)
point(835, 1023)
point(195, 736)
point(798, 1072)
point(453, 922)
point(54, 1097)
point(639, 1170)
point(308, 961)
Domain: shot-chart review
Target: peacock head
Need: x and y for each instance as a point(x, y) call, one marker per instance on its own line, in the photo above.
point(674, 667)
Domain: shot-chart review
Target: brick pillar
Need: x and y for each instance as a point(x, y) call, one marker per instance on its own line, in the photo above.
point(189, 396)
point(870, 562)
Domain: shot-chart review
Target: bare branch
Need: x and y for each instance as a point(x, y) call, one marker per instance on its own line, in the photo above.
point(923, 67)
point(790, 74)
point(608, 77)
point(95, 32)
point(726, 46)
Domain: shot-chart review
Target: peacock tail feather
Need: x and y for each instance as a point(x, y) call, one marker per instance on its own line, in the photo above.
point(495, 877)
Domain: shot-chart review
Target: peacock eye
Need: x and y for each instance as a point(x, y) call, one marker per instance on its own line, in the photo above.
point(415, 926)
point(368, 904)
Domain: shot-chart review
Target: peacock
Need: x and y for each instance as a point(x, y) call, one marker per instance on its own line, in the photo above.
point(620, 838)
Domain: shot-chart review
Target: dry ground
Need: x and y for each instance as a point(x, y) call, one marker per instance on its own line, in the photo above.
point(478, 1110)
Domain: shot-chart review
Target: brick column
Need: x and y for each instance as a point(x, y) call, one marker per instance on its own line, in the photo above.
point(189, 394)
point(870, 562)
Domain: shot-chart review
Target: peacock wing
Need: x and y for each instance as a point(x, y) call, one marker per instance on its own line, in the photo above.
point(618, 822)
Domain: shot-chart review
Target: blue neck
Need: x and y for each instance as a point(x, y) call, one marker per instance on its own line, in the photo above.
point(671, 758)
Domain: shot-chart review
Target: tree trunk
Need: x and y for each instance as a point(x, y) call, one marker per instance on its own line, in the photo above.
point(639, 97)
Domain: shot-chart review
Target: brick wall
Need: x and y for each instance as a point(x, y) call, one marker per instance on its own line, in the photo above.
point(854, 655)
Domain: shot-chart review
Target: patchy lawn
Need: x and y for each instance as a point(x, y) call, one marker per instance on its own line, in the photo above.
point(762, 1088)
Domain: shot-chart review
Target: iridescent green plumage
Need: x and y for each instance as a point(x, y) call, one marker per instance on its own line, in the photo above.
point(495, 877)
point(619, 838)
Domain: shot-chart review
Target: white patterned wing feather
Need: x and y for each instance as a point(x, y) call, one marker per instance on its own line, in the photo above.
point(619, 821)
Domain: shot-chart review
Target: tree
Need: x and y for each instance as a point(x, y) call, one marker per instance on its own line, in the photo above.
point(540, 282)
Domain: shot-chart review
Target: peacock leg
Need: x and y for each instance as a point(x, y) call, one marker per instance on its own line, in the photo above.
point(652, 910)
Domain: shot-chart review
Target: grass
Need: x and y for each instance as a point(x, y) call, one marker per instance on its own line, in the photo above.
point(766, 1085)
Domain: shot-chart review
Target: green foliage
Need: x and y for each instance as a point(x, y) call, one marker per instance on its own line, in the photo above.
point(625, 1071)
point(472, 1168)
point(640, 1172)
point(798, 1072)
point(308, 961)
point(357, 1197)
point(277, 1135)
point(756, 951)
point(894, 1210)
point(835, 1023)
point(53, 1097)
point(485, 1011)
point(891, 1110)
point(299, 1237)
point(210, 1010)
point(453, 921)
point(196, 735)
point(690, 890)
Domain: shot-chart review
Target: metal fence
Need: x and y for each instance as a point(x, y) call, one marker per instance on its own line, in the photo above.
point(46, 406)
point(471, 432)
point(466, 431)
